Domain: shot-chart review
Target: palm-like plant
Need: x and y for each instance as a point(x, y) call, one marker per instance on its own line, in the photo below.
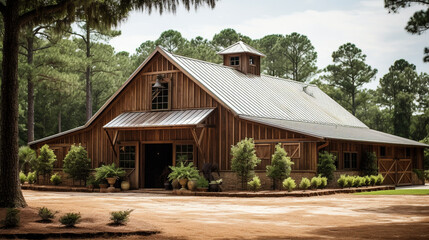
point(187, 171)
point(109, 171)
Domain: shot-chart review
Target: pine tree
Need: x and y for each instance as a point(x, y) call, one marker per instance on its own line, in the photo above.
point(281, 166)
point(45, 162)
point(244, 160)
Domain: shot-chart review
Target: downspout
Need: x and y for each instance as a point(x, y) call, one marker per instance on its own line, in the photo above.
point(323, 146)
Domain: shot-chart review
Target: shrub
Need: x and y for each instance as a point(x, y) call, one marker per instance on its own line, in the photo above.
point(22, 177)
point(373, 180)
point(77, 164)
point(120, 217)
point(380, 179)
point(90, 181)
point(369, 164)
point(45, 162)
point(70, 219)
point(183, 170)
point(202, 182)
point(12, 218)
point(289, 184)
point(46, 214)
point(304, 184)
point(427, 174)
point(254, 184)
point(323, 182)
point(108, 171)
point(26, 155)
point(420, 174)
point(326, 165)
point(31, 177)
point(56, 179)
point(342, 181)
point(315, 182)
point(356, 181)
point(280, 167)
point(244, 160)
point(349, 180)
point(367, 180)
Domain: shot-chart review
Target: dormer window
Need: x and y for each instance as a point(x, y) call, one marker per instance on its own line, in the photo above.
point(235, 61)
point(161, 96)
point(251, 60)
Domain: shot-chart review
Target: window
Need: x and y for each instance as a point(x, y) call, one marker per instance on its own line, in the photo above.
point(185, 153)
point(127, 156)
point(382, 151)
point(251, 60)
point(350, 160)
point(160, 99)
point(235, 61)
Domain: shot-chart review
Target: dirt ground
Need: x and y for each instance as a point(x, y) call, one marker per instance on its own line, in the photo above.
point(342, 216)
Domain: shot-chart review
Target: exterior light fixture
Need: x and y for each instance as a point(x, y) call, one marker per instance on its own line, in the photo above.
point(158, 84)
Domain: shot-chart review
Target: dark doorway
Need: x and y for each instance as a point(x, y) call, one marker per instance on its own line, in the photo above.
point(157, 159)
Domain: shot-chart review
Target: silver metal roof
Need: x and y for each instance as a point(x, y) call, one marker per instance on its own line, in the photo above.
point(335, 132)
point(159, 119)
point(240, 47)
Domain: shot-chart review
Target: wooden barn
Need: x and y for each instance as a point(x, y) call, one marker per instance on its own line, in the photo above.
point(175, 106)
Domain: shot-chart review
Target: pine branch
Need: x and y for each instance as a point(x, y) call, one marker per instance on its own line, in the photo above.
point(2, 8)
point(43, 11)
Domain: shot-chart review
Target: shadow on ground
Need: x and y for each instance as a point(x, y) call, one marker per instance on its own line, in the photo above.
point(400, 209)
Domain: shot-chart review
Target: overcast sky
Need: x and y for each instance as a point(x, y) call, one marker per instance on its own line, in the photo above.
point(327, 23)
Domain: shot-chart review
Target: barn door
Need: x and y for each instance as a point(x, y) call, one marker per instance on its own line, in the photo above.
point(404, 173)
point(294, 152)
point(395, 171)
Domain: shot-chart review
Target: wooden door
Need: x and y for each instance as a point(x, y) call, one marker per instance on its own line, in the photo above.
point(395, 171)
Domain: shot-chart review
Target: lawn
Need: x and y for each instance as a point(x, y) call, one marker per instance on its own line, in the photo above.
point(397, 192)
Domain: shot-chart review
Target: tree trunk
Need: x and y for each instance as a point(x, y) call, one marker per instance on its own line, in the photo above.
point(88, 75)
point(30, 92)
point(10, 191)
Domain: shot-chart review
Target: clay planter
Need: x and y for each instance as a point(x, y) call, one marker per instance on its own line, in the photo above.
point(175, 184)
point(125, 185)
point(202, 189)
point(183, 182)
point(192, 185)
point(103, 187)
point(214, 187)
point(111, 181)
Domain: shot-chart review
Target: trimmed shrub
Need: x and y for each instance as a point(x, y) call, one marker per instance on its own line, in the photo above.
point(349, 180)
point(369, 164)
point(315, 182)
point(56, 179)
point(45, 162)
point(202, 182)
point(380, 179)
point(356, 181)
point(323, 182)
point(373, 180)
point(77, 164)
point(427, 174)
point(254, 184)
point(289, 184)
point(22, 177)
point(342, 181)
point(420, 174)
point(326, 165)
point(304, 184)
point(362, 181)
point(120, 217)
point(280, 167)
point(244, 160)
point(26, 155)
point(12, 218)
point(46, 214)
point(31, 177)
point(70, 219)
point(367, 180)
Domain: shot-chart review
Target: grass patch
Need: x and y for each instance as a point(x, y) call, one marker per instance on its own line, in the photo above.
point(397, 192)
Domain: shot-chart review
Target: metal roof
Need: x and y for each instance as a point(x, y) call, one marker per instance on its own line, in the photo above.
point(240, 47)
point(335, 132)
point(159, 119)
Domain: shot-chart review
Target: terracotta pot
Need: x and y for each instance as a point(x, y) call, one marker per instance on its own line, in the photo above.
point(183, 182)
point(102, 185)
point(175, 184)
point(192, 185)
point(125, 185)
point(202, 189)
point(111, 181)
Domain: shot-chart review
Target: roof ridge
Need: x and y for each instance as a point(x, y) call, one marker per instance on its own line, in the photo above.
point(199, 60)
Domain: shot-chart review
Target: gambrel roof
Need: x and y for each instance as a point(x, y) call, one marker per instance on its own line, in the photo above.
point(277, 102)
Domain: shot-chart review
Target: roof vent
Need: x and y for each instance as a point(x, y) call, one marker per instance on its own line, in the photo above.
point(306, 90)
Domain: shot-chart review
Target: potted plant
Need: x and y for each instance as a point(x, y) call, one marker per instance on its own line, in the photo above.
point(183, 173)
point(214, 186)
point(111, 173)
point(202, 184)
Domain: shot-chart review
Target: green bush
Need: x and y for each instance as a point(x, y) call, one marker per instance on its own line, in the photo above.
point(77, 164)
point(289, 184)
point(356, 181)
point(323, 182)
point(350, 180)
point(420, 174)
point(202, 182)
point(12, 218)
point(367, 180)
point(326, 165)
point(120, 217)
point(56, 179)
point(90, 181)
point(280, 167)
point(373, 180)
point(70, 219)
point(244, 160)
point(26, 155)
point(31, 177)
point(427, 174)
point(254, 184)
point(45, 162)
point(46, 214)
point(304, 184)
point(22, 177)
point(183, 170)
point(342, 181)
point(380, 179)
point(315, 182)
point(108, 171)
point(369, 164)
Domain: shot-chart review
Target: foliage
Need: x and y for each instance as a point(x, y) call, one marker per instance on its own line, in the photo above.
point(227, 37)
point(171, 40)
point(426, 153)
point(12, 218)
point(315, 182)
point(373, 180)
point(120, 217)
point(31, 177)
point(380, 179)
point(26, 155)
point(254, 184)
point(70, 219)
point(356, 181)
point(56, 179)
point(244, 160)
point(91, 181)
point(350, 181)
point(305, 183)
point(187, 171)
point(273, 64)
point(77, 164)
point(342, 181)
point(280, 167)
point(323, 181)
point(426, 174)
point(289, 184)
point(46, 214)
point(202, 182)
point(367, 180)
point(369, 164)
point(109, 171)
point(326, 165)
point(45, 162)
point(22, 177)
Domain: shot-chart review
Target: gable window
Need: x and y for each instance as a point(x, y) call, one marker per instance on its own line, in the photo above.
point(127, 156)
point(235, 61)
point(350, 160)
point(184, 153)
point(251, 60)
point(160, 97)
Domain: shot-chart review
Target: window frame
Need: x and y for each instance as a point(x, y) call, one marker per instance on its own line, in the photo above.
point(238, 59)
point(252, 61)
point(194, 151)
point(351, 160)
point(164, 81)
point(127, 160)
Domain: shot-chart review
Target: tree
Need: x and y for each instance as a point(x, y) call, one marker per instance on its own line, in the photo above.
point(171, 40)
point(17, 14)
point(281, 166)
point(142, 52)
point(299, 56)
point(273, 63)
point(244, 160)
point(44, 164)
point(77, 164)
point(200, 48)
point(369, 164)
point(348, 73)
point(26, 155)
point(227, 37)
point(326, 165)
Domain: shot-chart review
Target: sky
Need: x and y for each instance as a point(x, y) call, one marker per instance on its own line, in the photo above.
point(327, 23)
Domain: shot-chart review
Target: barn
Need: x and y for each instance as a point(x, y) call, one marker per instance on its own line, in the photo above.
point(176, 107)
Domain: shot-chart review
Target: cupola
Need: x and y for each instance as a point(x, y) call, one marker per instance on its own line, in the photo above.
point(243, 57)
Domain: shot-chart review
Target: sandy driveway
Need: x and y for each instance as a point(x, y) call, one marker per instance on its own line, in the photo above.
point(341, 216)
